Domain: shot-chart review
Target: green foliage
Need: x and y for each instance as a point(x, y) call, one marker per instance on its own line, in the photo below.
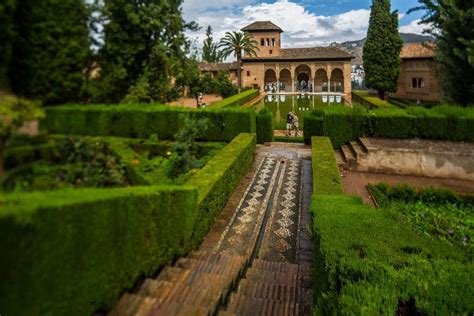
point(238, 44)
point(207, 84)
point(184, 150)
point(7, 36)
point(365, 99)
point(450, 23)
point(382, 49)
point(50, 50)
point(224, 86)
point(142, 121)
point(435, 212)
point(210, 52)
point(144, 48)
point(264, 126)
point(345, 124)
point(219, 178)
point(289, 139)
point(237, 100)
point(326, 178)
point(72, 252)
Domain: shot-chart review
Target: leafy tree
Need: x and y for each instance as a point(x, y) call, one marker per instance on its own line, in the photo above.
point(7, 34)
point(382, 49)
point(452, 25)
point(14, 113)
point(238, 43)
point(224, 86)
point(210, 52)
point(51, 50)
point(144, 48)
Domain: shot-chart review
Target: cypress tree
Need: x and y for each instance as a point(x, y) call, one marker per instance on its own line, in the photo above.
point(145, 48)
point(7, 34)
point(209, 48)
point(51, 50)
point(382, 49)
point(454, 33)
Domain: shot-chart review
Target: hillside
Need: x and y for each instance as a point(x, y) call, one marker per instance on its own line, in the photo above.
point(355, 47)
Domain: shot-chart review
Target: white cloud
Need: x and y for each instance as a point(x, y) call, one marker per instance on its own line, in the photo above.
point(413, 27)
point(302, 28)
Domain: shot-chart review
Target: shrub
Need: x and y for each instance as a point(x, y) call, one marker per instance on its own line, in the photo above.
point(326, 178)
point(264, 126)
point(236, 100)
point(72, 252)
point(141, 121)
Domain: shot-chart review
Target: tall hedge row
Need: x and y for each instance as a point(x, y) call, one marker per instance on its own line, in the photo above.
point(368, 263)
point(264, 126)
point(237, 100)
point(72, 252)
point(346, 124)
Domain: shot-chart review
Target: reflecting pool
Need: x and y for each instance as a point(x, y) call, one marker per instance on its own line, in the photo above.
point(280, 105)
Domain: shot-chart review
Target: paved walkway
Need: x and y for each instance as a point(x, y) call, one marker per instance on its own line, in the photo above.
point(256, 258)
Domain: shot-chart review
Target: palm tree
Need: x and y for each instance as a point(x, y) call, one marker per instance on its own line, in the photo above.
point(235, 43)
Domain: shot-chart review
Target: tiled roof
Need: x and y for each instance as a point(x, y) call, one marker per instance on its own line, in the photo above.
point(262, 26)
point(308, 53)
point(418, 50)
point(218, 66)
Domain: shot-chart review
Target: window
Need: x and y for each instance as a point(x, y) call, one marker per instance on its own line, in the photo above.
point(417, 83)
point(273, 42)
point(271, 52)
point(268, 42)
point(262, 42)
point(248, 73)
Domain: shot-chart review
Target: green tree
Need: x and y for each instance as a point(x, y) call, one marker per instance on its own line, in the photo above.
point(144, 49)
point(382, 49)
point(451, 22)
point(238, 44)
point(51, 50)
point(210, 53)
point(7, 34)
point(14, 113)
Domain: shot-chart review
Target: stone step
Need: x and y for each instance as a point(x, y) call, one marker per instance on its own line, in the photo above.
point(365, 144)
point(357, 149)
point(280, 278)
point(268, 291)
point(348, 154)
point(178, 309)
point(339, 157)
point(274, 266)
point(132, 304)
point(224, 265)
point(243, 305)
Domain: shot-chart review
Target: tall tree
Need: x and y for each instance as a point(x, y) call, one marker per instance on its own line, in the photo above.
point(238, 44)
point(51, 50)
point(210, 53)
point(451, 22)
point(382, 49)
point(144, 49)
point(7, 34)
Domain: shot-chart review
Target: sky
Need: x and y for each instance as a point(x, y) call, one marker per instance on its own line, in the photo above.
point(306, 23)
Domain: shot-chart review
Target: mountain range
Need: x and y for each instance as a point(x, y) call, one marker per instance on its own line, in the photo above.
point(356, 47)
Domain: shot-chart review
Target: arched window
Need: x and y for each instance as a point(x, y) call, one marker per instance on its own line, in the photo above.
point(273, 42)
point(262, 42)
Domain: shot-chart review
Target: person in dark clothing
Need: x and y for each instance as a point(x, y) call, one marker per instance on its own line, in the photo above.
point(289, 123)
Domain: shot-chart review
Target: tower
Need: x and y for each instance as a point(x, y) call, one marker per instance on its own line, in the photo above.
point(268, 37)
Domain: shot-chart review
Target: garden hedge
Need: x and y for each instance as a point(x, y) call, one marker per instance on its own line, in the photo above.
point(264, 126)
point(365, 99)
point(73, 252)
point(219, 178)
point(368, 263)
point(141, 121)
point(344, 124)
point(236, 100)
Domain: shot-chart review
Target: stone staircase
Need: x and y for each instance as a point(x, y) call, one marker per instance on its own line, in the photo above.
point(173, 292)
point(350, 152)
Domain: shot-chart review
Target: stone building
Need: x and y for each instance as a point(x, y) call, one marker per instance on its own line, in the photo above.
point(292, 70)
point(417, 79)
point(214, 68)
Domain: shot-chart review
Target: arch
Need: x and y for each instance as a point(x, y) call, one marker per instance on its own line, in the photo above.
point(337, 80)
point(285, 80)
point(270, 80)
point(321, 80)
point(303, 78)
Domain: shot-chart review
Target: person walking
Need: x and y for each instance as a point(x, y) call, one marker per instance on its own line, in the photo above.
point(289, 123)
point(295, 124)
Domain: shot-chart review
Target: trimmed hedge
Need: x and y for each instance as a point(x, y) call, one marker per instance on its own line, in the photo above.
point(141, 121)
point(236, 100)
point(345, 124)
point(326, 178)
point(365, 99)
point(264, 126)
point(72, 252)
point(289, 139)
point(218, 179)
point(368, 263)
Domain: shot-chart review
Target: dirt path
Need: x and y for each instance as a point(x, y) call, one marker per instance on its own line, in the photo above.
point(191, 102)
point(256, 259)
